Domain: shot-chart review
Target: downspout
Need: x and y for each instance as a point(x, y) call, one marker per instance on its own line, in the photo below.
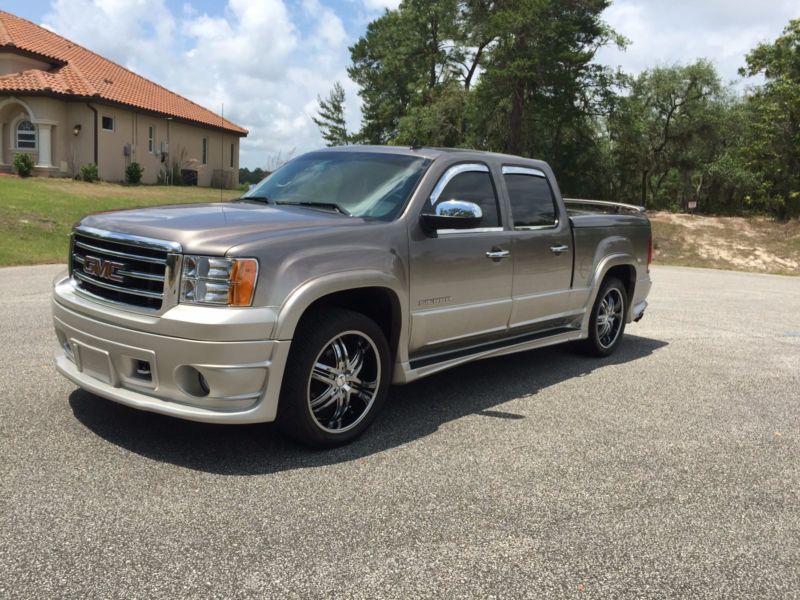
point(94, 110)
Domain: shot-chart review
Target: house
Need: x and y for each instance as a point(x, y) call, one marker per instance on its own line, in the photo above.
point(67, 106)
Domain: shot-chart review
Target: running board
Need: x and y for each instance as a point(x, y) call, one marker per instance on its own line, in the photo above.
point(442, 357)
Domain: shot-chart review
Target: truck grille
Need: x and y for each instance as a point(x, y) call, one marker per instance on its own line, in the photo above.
point(120, 269)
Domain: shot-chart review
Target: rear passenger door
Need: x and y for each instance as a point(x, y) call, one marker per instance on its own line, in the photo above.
point(542, 249)
point(457, 291)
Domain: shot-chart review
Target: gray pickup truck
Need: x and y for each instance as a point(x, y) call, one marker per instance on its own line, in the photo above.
point(344, 271)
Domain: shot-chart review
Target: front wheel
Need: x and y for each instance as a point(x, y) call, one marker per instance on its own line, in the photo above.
point(607, 321)
point(336, 379)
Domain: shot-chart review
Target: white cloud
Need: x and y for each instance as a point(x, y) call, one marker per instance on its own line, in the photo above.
point(680, 31)
point(268, 60)
point(253, 58)
point(381, 4)
point(117, 29)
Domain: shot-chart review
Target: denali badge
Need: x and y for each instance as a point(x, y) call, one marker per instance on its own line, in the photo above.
point(104, 269)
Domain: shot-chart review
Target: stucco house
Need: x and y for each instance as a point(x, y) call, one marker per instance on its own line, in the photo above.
point(67, 107)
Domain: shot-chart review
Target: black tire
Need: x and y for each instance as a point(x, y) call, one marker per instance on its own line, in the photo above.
point(323, 369)
point(601, 341)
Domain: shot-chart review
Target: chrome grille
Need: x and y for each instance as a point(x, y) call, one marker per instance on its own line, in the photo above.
point(120, 268)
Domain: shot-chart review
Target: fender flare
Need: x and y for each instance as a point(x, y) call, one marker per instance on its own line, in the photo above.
point(600, 272)
point(304, 295)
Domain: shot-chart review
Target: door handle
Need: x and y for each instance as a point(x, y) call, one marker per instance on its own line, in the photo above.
point(497, 254)
point(558, 250)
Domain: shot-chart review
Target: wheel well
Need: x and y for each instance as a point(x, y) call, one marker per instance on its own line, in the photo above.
point(627, 275)
point(378, 303)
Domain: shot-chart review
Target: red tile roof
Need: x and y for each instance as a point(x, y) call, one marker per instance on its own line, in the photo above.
point(82, 73)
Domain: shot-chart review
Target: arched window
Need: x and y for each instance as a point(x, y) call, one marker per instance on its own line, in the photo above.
point(26, 135)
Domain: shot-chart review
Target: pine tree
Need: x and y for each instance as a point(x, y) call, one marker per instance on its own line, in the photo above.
point(330, 117)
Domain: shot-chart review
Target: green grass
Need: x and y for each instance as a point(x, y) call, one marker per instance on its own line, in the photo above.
point(36, 214)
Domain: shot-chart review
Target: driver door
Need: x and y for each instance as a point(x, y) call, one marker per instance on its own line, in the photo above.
point(461, 280)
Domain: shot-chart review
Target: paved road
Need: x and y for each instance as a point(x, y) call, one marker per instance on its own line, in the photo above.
point(670, 470)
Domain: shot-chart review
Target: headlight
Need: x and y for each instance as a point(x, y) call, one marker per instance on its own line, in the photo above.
point(218, 281)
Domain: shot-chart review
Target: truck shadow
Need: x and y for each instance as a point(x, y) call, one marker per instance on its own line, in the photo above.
point(411, 412)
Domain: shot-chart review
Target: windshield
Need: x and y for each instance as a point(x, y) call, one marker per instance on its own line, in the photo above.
point(362, 184)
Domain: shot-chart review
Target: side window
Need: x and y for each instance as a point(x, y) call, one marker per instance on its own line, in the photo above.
point(532, 202)
point(477, 187)
point(26, 135)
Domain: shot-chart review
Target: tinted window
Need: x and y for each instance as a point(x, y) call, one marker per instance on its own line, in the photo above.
point(366, 184)
point(474, 186)
point(532, 202)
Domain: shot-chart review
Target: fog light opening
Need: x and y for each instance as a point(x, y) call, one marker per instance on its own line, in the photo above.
point(143, 370)
point(67, 347)
point(192, 382)
point(203, 383)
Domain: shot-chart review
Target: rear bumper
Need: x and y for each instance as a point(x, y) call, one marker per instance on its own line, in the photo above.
point(639, 302)
point(638, 311)
point(241, 380)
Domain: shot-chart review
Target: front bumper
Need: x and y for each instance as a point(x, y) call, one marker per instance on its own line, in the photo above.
point(158, 373)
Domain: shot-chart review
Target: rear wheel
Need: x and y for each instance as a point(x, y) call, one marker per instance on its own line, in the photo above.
point(336, 379)
point(607, 321)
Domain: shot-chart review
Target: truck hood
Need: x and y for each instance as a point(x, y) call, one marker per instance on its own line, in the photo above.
point(215, 228)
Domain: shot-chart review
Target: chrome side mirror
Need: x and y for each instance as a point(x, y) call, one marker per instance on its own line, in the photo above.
point(453, 214)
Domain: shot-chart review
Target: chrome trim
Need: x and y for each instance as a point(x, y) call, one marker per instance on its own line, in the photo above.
point(448, 175)
point(139, 275)
point(128, 239)
point(449, 207)
point(135, 274)
point(172, 268)
point(117, 253)
point(605, 204)
point(507, 170)
point(638, 311)
point(498, 254)
point(126, 306)
point(476, 230)
point(116, 288)
point(536, 227)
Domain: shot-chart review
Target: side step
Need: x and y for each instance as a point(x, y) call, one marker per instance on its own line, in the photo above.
point(427, 360)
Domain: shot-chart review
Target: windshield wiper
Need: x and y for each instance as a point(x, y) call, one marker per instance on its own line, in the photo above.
point(257, 199)
point(321, 205)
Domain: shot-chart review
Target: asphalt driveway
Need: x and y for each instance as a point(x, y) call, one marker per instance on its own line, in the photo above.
point(669, 470)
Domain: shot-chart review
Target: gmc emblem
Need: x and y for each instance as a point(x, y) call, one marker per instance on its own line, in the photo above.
point(104, 269)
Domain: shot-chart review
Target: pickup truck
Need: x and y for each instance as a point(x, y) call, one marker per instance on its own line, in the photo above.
point(344, 271)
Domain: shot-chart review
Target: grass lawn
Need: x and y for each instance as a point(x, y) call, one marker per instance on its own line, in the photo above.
point(36, 214)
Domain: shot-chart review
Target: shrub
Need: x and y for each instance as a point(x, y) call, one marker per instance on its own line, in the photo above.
point(89, 173)
point(23, 163)
point(177, 178)
point(133, 173)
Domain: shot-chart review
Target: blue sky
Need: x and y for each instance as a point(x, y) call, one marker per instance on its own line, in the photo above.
point(268, 60)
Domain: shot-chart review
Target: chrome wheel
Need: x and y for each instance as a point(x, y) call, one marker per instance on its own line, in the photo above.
point(610, 317)
point(344, 381)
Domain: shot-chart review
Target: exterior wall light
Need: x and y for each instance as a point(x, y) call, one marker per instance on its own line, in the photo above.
point(76, 130)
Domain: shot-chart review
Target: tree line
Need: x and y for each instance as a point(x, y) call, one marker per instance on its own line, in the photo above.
point(520, 77)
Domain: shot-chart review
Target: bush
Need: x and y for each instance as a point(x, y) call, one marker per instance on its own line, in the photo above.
point(23, 163)
point(89, 173)
point(133, 173)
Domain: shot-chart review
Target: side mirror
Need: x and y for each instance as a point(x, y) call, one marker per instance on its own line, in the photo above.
point(453, 214)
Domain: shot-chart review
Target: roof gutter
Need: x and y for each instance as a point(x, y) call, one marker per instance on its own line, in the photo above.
point(94, 110)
